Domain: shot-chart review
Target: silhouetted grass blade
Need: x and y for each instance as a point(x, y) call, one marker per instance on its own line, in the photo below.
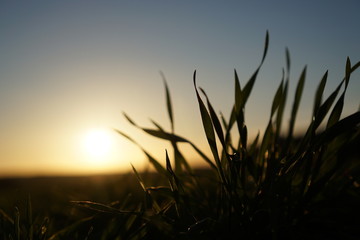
point(215, 120)
point(297, 99)
point(238, 94)
point(325, 107)
point(141, 182)
point(277, 99)
point(168, 103)
point(288, 61)
point(207, 123)
point(129, 119)
point(159, 168)
point(319, 94)
point(99, 207)
point(266, 46)
point(250, 84)
point(336, 112)
point(209, 131)
point(281, 108)
point(157, 125)
point(347, 72)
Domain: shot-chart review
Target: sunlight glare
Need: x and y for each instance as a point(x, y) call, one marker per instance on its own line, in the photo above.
point(97, 144)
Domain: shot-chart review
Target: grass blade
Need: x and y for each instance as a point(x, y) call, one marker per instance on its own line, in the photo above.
point(245, 93)
point(159, 168)
point(336, 112)
point(266, 46)
point(319, 94)
point(325, 107)
point(99, 207)
point(297, 99)
point(238, 93)
point(281, 108)
point(347, 72)
point(168, 103)
point(288, 62)
point(277, 98)
point(215, 121)
point(139, 178)
point(209, 131)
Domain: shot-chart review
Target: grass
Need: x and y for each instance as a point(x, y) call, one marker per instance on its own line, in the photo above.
point(276, 187)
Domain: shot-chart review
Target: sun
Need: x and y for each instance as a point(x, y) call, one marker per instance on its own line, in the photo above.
point(97, 145)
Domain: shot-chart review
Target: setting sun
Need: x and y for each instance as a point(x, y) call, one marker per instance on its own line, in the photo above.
point(97, 145)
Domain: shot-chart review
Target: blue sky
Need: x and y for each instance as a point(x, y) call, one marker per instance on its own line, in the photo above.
point(70, 66)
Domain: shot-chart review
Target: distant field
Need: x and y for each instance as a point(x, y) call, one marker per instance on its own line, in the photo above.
point(51, 196)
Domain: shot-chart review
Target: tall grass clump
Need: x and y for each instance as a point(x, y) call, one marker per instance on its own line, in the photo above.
point(278, 186)
point(273, 188)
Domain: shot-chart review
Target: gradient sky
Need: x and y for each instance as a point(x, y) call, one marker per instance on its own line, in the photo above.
point(70, 66)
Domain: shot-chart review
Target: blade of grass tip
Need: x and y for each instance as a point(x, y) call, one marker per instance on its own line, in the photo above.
point(325, 107)
point(160, 133)
point(168, 102)
point(209, 131)
point(277, 98)
point(129, 119)
point(319, 93)
point(157, 125)
point(347, 72)
point(265, 47)
point(250, 84)
point(159, 168)
point(215, 121)
point(237, 93)
point(168, 164)
point(281, 108)
point(238, 114)
point(288, 62)
point(297, 99)
point(207, 123)
point(232, 120)
point(141, 182)
point(337, 110)
point(163, 135)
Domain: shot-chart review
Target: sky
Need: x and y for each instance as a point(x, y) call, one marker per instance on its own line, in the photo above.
point(69, 69)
